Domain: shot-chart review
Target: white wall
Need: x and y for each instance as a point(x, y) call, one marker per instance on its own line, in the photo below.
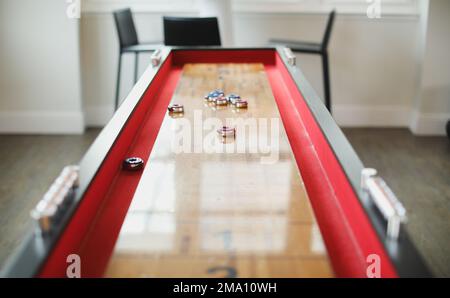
point(432, 106)
point(40, 69)
point(373, 62)
point(376, 64)
point(99, 59)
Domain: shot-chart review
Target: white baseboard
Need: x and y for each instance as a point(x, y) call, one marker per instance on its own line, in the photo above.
point(41, 122)
point(429, 123)
point(345, 116)
point(372, 116)
point(98, 116)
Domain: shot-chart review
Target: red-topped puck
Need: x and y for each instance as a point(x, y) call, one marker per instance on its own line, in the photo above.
point(227, 132)
point(221, 101)
point(241, 104)
point(176, 108)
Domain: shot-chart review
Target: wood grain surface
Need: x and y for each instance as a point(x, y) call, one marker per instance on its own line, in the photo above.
point(220, 214)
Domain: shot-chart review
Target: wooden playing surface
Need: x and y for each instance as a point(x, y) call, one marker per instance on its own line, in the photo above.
point(220, 214)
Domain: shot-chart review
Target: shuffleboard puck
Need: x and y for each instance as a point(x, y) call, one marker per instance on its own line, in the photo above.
point(213, 95)
point(241, 104)
point(133, 164)
point(232, 98)
point(176, 108)
point(227, 132)
point(221, 101)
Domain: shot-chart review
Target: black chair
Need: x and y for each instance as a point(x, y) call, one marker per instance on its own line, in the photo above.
point(180, 31)
point(317, 49)
point(129, 43)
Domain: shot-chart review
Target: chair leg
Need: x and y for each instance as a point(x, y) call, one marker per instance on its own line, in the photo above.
point(118, 82)
point(136, 66)
point(326, 81)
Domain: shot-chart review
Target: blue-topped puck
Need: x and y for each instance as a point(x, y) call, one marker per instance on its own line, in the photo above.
point(232, 98)
point(213, 95)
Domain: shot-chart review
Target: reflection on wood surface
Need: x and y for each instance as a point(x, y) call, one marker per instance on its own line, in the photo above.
point(220, 214)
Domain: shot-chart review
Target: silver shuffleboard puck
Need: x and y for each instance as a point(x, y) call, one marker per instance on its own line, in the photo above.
point(176, 108)
point(221, 101)
point(133, 164)
point(232, 98)
point(227, 132)
point(214, 95)
point(241, 104)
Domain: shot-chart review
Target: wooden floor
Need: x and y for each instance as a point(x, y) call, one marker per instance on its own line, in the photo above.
point(418, 171)
point(28, 166)
point(209, 214)
point(417, 168)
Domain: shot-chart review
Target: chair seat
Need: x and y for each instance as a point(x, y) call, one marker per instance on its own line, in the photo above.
point(143, 47)
point(299, 46)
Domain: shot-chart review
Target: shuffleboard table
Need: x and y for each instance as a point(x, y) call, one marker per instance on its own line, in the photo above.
point(216, 188)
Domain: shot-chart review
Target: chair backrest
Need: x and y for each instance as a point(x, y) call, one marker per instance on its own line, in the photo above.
point(327, 35)
point(191, 31)
point(125, 27)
